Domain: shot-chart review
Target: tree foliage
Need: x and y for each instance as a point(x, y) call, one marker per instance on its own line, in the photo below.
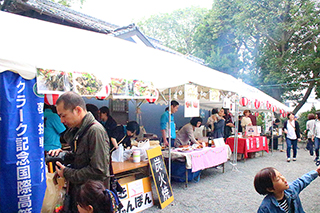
point(275, 40)
point(270, 44)
point(175, 30)
point(217, 39)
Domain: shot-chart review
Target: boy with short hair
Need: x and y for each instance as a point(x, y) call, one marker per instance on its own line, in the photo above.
point(281, 196)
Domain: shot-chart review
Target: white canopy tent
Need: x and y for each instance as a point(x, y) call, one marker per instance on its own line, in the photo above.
point(29, 43)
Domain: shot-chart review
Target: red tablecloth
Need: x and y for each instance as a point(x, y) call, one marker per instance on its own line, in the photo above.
point(250, 144)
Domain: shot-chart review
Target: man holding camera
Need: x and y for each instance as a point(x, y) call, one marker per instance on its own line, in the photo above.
point(89, 158)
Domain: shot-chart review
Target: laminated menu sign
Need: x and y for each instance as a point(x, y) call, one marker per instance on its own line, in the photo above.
point(132, 88)
point(51, 81)
point(160, 176)
point(192, 106)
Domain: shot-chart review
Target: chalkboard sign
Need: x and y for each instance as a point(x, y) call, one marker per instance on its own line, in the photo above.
point(160, 176)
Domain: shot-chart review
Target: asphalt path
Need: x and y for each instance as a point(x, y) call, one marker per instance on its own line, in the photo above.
point(233, 191)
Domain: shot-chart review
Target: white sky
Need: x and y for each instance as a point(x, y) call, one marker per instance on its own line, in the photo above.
point(125, 12)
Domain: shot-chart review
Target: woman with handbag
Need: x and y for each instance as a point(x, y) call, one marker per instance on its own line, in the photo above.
point(292, 130)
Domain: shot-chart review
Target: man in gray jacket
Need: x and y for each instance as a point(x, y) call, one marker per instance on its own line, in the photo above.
point(89, 158)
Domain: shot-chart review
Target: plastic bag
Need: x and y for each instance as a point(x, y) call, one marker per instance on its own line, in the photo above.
point(143, 146)
point(117, 155)
point(220, 142)
point(127, 154)
point(54, 195)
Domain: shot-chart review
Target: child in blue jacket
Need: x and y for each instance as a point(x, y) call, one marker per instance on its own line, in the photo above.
point(281, 196)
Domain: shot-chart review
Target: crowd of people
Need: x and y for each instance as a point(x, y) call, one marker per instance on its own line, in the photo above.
point(93, 134)
point(89, 156)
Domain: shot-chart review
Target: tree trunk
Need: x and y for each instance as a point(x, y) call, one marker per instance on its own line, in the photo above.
point(305, 97)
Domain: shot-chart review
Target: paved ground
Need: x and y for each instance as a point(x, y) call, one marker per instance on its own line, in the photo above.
point(233, 191)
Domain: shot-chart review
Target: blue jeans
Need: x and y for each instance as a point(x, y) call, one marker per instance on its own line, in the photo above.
point(294, 144)
point(316, 145)
point(310, 146)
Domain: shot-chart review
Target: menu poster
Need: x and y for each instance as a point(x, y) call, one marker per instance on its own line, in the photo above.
point(160, 176)
point(53, 81)
point(128, 89)
point(192, 106)
point(214, 95)
point(192, 109)
point(85, 84)
point(226, 103)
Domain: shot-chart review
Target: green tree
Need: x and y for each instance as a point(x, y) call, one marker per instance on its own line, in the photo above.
point(218, 39)
point(303, 118)
point(287, 54)
point(68, 3)
point(271, 44)
point(176, 29)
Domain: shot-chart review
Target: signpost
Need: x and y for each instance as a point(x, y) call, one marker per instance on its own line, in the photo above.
point(160, 177)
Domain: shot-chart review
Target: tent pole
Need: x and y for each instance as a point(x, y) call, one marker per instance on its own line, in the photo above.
point(271, 131)
point(169, 133)
point(235, 145)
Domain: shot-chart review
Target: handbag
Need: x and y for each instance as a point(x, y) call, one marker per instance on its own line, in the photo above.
point(116, 188)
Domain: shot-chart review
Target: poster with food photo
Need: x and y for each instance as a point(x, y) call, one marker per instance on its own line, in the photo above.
point(51, 81)
point(192, 107)
point(143, 89)
point(120, 88)
point(88, 84)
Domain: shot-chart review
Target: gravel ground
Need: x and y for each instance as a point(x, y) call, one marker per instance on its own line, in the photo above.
point(233, 191)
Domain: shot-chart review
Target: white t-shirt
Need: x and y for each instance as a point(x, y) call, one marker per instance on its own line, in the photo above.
point(291, 130)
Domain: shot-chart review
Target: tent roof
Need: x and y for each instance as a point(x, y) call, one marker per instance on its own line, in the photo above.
point(32, 44)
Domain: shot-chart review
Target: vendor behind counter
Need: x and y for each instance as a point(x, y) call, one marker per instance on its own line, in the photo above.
point(122, 134)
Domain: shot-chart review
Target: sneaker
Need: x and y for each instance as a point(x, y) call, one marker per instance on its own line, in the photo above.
point(294, 159)
point(288, 160)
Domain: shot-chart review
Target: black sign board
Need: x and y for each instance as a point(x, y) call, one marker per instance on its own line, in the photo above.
point(160, 176)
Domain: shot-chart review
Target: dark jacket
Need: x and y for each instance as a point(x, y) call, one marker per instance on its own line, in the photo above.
point(218, 131)
point(91, 159)
point(297, 128)
point(110, 125)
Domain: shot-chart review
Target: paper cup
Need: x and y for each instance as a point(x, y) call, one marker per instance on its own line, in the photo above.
point(136, 156)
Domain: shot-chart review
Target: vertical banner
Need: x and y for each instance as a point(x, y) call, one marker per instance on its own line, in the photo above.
point(22, 168)
point(192, 106)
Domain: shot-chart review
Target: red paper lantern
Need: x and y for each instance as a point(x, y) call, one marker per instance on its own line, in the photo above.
point(281, 111)
point(51, 99)
point(274, 108)
point(101, 97)
point(243, 101)
point(151, 100)
point(257, 104)
point(268, 105)
point(256, 114)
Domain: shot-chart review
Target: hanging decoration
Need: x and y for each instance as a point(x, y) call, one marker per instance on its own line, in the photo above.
point(151, 100)
point(284, 114)
point(268, 105)
point(243, 101)
point(51, 99)
point(257, 104)
point(256, 114)
point(101, 97)
point(274, 108)
point(281, 111)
